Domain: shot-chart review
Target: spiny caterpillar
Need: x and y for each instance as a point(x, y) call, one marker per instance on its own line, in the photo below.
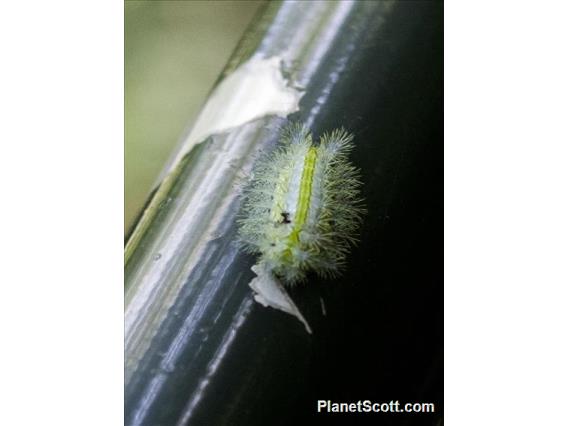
point(303, 207)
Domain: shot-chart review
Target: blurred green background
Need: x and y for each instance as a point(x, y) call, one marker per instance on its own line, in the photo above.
point(173, 53)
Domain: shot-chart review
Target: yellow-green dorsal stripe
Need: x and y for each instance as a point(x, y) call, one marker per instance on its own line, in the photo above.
point(304, 196)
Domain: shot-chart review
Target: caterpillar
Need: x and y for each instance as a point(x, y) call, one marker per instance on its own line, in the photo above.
point(302, 209)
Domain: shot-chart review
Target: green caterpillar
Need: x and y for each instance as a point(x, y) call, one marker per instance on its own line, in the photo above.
point(303, 208)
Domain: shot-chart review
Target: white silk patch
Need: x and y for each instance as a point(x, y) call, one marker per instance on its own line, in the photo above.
point(269, 292)
point(255, 89)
